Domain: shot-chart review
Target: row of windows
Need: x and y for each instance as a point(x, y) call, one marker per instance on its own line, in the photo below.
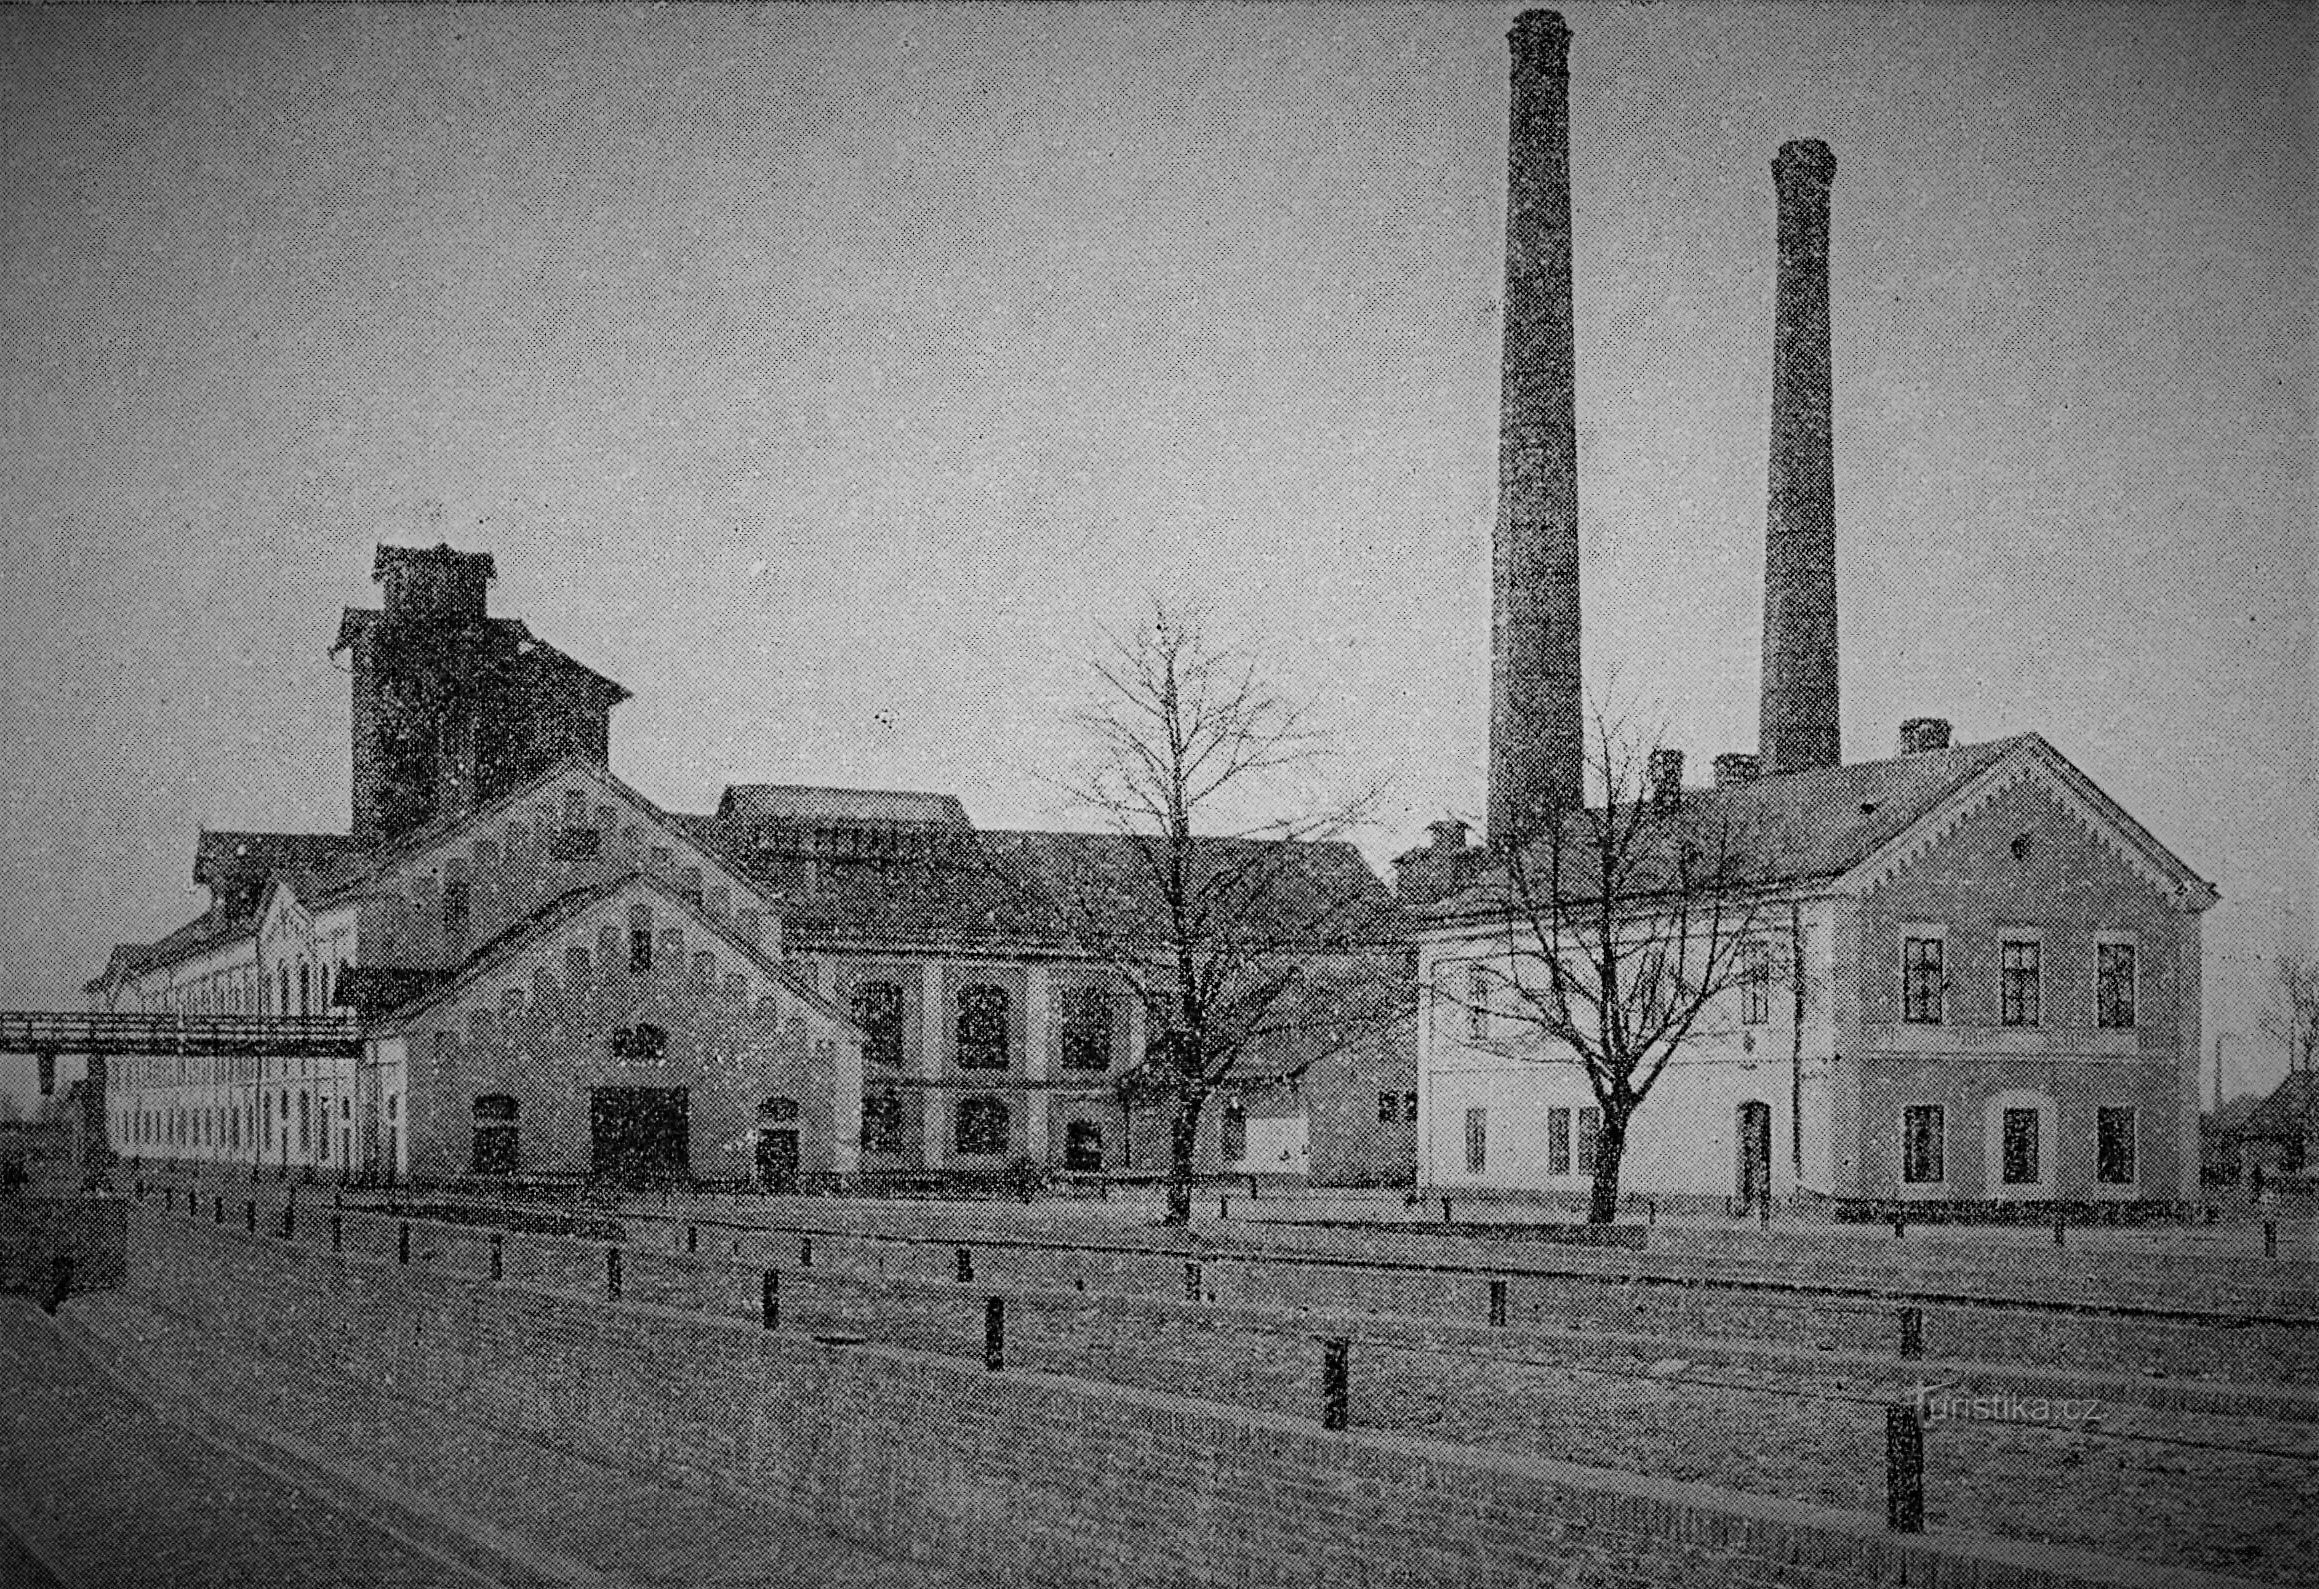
point(497, 1147)
point(984, 1026)
point(2021, 1146)
point(1570, 1138)
point(1924, 982)
point(980, 1127)
point(294, 989)
point(304, 1120)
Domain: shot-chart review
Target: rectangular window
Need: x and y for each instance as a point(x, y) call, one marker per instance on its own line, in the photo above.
point(982, 1126)
point(1477, 1140)
point(1557, 1142)
point(455, 907)
point(1232, 1135)
point(1409, 1108)
point(2114, 1146)
point(1589, 1129)
point(2114, 985)
point(2017, 971)
point(305, 1120)
point(2021, 1147)
point(1477, 1004)
point(1923, 1144)
point(882, 1121)
point(1922, 984)
point(1388, 1108)
point(640, 949)
point(1754, 982)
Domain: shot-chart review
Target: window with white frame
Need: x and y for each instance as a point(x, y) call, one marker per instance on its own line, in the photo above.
point(1477, 1140)
point(1557, 1142)
point(2018, 970)
point(1923, 983)
point(1754, 981)
point(1477, 1004)
point(1924, 1144)
point(2114, 1145)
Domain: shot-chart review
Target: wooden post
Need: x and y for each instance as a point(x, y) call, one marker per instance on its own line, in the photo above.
point(217, 1210)
point(1912, 1332)
point(2270, 1238)
point(250, 1216)
point(692, 1238)
point(338, 1233)
point(1191, 1282)
point(772, 1301)
point(805, 1252)
point(1498, 1304)
point(1899, 1227)
point(612, 1273)
point(1903, 1471)
point(59, 1282)
point(289, 1220)
point(1445, 1211)
point(965, 1264)
point(994, 1334)
point(1336, 1383)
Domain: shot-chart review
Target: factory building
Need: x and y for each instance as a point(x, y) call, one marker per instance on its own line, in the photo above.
point(1988, 985)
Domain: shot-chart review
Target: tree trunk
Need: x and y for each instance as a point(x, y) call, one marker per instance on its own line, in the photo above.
point(1183, 1141)
point(1610, 1146)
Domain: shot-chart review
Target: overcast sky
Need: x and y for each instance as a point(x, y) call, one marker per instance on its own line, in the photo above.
point(831, 377)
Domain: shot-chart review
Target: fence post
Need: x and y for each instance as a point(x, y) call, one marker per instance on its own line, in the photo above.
point(1651, 1208)
point(1445, 1211)
point(1191, 1282)
point(805, 1252)
point(772, 1301)
point(692, 1238)
point(612, 1273)
point(498, 1258)
point(1763, 1212)
point(994, 1334)
point(289, 1220)
point(1903, 1470)
point(1899, 1227)
point(2270, 1238)
point(1223, 1207)
point(403, 1241)
point(1498, 1304)
point(217, 1210)
point(250, 1216)
point(965, 1264)
point(1336, 1379)
point(1912, 1332)
point(338, 1233)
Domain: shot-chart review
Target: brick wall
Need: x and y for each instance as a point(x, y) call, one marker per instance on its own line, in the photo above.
point(1023, 1475)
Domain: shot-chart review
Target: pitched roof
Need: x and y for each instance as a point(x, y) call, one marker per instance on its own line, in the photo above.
point(206, 931)
point(543, 923)
point(1822, 822)
point(2286, 1113)
point(507, 639)
point(236, 866)
point(771, 802)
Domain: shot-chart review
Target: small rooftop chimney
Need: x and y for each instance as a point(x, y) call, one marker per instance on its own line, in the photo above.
point(1666, 777)
point(1735, 767)
point(1439, 867)
point(1801, 721)
point(1924, 733)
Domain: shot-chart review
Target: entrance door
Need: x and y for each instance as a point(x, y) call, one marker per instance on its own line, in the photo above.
point(777, 1159)
point(1754, 1154)
point(640, 1136)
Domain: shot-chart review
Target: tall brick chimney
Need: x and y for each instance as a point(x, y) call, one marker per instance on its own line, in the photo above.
point(1801, 726)
point(1537, 734)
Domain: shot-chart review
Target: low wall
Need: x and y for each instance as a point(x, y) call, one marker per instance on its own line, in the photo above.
point(1022, 1475)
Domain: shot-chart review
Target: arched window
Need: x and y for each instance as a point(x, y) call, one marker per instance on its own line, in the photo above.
point(496, 1150)
point(283, 1006)
point(305, 989)
point(778, 1111)
point(877, 1010)
point(1082, 1146)
point(982, 1125)
point(1087, 1030)
point(982, 1028)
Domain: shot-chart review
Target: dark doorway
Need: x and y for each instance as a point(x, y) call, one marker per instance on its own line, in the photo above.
point(777, 1159)
point(1083, 1146)
point(642, 1136)
point(1754, 1154)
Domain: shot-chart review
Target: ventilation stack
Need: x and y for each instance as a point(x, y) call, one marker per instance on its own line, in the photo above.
point(1537, 732)
point(1801, 722)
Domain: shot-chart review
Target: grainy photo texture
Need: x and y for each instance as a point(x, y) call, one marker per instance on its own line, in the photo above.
point(1159, 795)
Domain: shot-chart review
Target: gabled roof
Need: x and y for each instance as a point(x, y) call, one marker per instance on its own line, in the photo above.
point(236, 866)
point(812, 804)
point(205, 932)
point(507, 639)
point(1822, 823)
point(542, 925)
point(2284, 1116)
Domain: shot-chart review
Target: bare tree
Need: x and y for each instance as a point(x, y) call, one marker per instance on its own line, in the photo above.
point(2292, 1020)
point(1625, 924)
point(1239, 935)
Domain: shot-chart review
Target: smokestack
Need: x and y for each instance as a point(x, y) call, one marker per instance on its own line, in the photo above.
point(1800, 726)
point(1537, 734)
